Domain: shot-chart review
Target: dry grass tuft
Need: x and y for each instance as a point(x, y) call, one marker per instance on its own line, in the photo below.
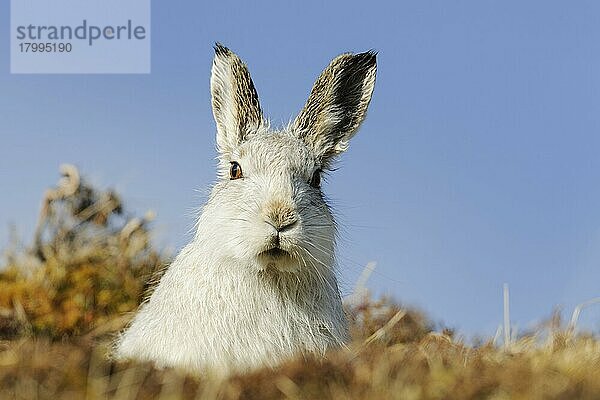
point(62, 301)
point(90, 263)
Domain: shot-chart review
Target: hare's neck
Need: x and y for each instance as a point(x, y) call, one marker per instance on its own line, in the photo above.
point(208, 273)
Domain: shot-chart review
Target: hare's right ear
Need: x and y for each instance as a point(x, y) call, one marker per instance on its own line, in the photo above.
point(235, 103)
point(337, 104)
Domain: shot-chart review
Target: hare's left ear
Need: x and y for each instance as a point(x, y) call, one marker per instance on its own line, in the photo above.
point(234, 100)
point(337, 104)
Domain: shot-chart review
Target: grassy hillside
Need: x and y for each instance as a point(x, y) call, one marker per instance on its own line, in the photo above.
point(63, 298)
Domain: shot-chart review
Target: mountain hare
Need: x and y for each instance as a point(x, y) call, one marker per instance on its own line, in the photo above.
point(257, 283)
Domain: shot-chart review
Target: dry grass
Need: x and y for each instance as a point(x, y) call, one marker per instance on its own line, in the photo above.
point(62, 301)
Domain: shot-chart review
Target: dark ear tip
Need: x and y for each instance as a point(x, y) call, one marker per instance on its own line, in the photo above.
point(221, 50)
point(368, 58)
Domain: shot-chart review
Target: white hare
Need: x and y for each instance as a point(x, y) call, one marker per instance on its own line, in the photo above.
point(257, 283)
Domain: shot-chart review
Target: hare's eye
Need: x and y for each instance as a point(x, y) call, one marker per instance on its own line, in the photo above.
point(316, 179)
point(235, 171)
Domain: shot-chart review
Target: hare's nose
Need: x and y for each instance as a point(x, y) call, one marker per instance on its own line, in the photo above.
point(282, 226)
point(286, 226)
point(281, 216)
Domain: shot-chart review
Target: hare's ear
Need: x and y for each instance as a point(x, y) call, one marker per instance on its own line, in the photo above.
point(234, 100)
point(337, 104)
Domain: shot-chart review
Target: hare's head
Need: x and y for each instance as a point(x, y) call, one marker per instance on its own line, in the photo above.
point(267, 207)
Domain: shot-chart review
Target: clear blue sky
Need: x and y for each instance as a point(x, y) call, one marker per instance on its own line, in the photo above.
point(478, 163)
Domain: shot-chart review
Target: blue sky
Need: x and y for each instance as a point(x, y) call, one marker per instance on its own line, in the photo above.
point(477, 164)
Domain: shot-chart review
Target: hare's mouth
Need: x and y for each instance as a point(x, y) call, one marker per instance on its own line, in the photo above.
point(275, 253)
point(277, 258)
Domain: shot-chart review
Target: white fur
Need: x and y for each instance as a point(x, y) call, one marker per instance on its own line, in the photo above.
point(224, 305)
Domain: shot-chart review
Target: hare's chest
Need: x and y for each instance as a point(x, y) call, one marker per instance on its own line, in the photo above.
point(239, 306)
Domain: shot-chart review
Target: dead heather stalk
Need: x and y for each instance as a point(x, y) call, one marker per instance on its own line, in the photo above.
point(577, 312)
